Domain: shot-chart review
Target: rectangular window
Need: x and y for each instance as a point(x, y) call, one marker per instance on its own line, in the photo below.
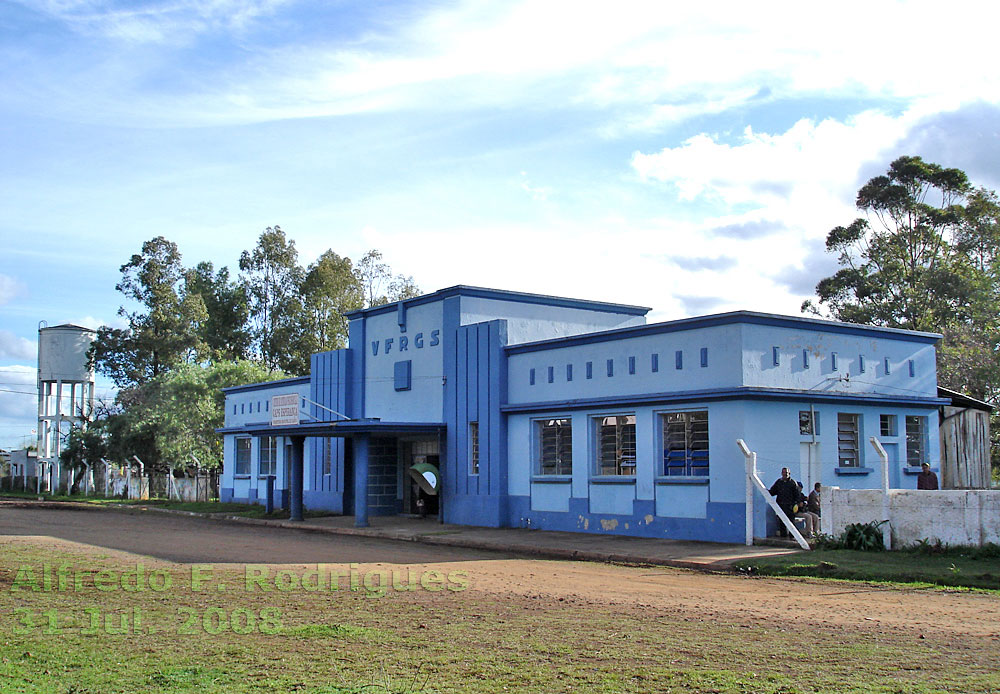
point(555, 447)
point(268, 458)
point(916, 441)
point(704, 357)
point(616, 445)
point(887, 425)
point(327, 456)
point(685, 444)
point(242, 456)
point(474, 448)
point(808, 423)
point(848, 454)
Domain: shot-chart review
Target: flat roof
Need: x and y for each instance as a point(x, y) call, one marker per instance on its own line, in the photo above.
point(344, 427)
point(728, 318)
point(504, 295)
point(267, 384)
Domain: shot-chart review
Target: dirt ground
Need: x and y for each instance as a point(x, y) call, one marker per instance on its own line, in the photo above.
point(947, 616)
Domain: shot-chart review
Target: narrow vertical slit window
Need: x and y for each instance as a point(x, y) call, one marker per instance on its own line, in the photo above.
point(473, 448)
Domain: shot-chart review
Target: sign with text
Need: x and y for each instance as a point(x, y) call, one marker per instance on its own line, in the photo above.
point(284, 410)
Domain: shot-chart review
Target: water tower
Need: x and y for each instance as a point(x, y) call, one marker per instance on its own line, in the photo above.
point(65, 389)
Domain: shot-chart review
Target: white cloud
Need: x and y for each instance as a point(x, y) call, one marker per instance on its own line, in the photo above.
point(14, 347)
point(10, 289)
point(648, 62)
point(763, 169)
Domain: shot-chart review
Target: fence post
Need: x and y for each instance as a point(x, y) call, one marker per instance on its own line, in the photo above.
point(886, 525)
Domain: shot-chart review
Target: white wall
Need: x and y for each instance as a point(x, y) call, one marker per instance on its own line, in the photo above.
point(953, 516)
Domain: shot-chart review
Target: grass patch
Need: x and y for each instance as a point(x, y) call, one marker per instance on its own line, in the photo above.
point(335, 642)
point(951, 568)
point(232, 509)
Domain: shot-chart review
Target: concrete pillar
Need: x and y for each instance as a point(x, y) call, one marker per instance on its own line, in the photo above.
point(296, 477)
point(361, 448)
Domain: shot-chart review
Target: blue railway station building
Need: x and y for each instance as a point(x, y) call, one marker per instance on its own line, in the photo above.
point(565, 414)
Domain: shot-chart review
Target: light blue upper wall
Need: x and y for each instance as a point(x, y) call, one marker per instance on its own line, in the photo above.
point(723, 366)
point(818, 373)
point(422, 344)
point(252, 405)
point(528, 322)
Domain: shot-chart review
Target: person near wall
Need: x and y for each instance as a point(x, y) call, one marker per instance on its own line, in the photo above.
point(786, 492)
point(811, 519)
point(927, 479)
point(813, 503)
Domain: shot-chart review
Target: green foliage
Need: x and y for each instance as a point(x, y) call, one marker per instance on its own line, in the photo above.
point(926, 256)
point(164, 331)
point(272, 279)
point(181, 410)
point(865, 537)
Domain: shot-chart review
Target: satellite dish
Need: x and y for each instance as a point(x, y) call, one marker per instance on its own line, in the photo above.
point(426, 476)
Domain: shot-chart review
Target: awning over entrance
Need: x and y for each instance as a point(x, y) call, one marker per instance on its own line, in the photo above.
point(360, 430)
point(341, 428)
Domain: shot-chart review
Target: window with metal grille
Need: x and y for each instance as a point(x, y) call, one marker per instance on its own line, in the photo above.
point(327, 456)
point(242, 456)
point(555, 447)
point(848, 454)
point(685, 444)
point(887, 425)
point(916, 441)
point(473, 448)
point(616, 445)
point(268, 460)
point(808, 422)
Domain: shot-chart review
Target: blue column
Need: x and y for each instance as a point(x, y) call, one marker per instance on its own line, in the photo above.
point(361, 481)
point(295, 481)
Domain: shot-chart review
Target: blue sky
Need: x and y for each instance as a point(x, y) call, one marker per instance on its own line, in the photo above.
point(689, 158)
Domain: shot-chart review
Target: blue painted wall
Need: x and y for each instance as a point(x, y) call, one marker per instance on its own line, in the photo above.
point(475, 394)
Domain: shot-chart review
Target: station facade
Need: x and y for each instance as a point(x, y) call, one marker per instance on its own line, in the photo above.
point(563, 414)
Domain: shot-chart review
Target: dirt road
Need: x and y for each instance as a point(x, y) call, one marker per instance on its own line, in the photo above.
point(725, 598)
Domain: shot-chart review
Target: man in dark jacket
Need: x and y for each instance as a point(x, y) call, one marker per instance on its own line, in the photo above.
point(787, 493)
point(927, 479)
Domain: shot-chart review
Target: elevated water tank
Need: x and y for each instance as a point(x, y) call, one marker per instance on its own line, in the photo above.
point(62, 353)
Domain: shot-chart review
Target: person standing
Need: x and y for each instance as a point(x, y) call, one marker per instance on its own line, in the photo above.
point(927, 479)
point(813, 504)
point(786, 492)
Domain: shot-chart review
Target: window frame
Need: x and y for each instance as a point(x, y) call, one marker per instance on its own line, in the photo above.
point(265, 445)
point(236, 456)
point(474, 448)
point(327, 455)
point(813, 419)
point(855, 419)
point(891, 431)
point(693, 460)
point(917, 455)
point(622, 440)
point(563, 445)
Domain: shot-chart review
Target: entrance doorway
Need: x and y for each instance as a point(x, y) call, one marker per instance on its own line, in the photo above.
point(411, 453)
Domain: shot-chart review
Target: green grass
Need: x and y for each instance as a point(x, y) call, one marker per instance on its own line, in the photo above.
point(470, 641)
point(245, 510)
point(953, 567)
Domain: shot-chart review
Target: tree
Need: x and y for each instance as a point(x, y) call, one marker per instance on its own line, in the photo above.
point(85, 447)
point(378, 283)
point(330, 289)
point(272, 279)
point(171, 420)
point(925, 257)
point(897, 266)
point(224, 330)
point(164, 331)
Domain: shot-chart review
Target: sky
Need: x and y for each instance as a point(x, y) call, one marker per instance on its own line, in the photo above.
point(690, 157)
